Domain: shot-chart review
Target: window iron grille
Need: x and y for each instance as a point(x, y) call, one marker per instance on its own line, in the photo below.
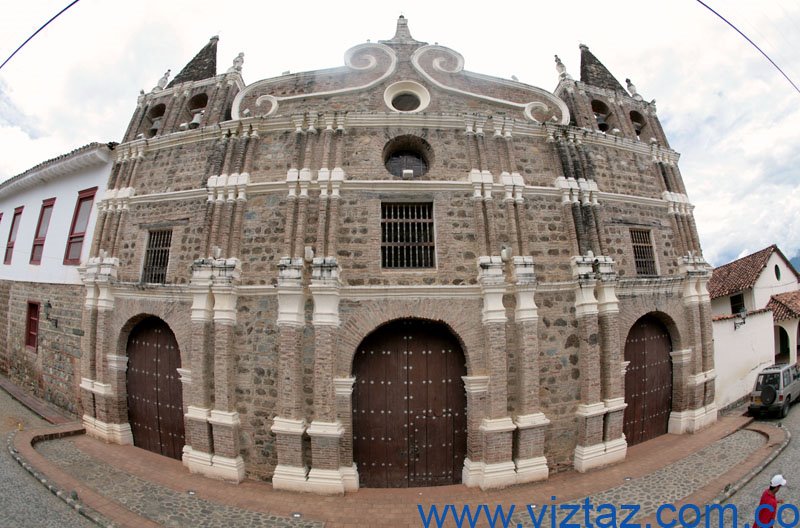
point(643, 252)
point(156, 258)
point(407, 237)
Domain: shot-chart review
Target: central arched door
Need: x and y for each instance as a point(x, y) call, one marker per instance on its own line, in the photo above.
point(155, 399)
point(409, 406)
point(648, 380)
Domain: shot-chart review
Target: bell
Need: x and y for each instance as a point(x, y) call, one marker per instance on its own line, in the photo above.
point(195, 122)
point(155, 126)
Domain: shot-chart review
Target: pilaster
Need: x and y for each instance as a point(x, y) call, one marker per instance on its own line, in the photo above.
point(291, 472)
point(343, 388)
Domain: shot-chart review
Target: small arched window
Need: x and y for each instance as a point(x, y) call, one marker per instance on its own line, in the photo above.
point(407, 156)
point(195, 110)
point(155, 119)
point(638, 123)
point(601, 115)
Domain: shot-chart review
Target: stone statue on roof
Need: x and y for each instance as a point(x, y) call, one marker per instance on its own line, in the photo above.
point(237, 64)
point(162, 82)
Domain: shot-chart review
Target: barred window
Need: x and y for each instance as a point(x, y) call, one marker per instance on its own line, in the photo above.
point(407, 239)
point(156, 257)
point(643, 252)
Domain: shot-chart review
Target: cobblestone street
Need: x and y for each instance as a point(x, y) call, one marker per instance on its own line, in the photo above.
point(25, 502)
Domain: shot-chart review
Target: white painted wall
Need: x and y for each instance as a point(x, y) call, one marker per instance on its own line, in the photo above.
point(739, 355)
point(768, 284)
point(63, 180)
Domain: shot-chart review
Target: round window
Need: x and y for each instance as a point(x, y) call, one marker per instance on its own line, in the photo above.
point(777, 272)
point(406, 96)
point(406, 102)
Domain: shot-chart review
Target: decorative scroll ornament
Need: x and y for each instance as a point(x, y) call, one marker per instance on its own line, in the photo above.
point(451, 62)
point(362, 58)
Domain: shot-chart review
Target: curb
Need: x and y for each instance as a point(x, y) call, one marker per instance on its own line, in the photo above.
point(728, 492)
point(70, 498)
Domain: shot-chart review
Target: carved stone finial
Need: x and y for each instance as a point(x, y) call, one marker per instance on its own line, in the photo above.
point(237, 64)
point(561, 69)
point(162, 82)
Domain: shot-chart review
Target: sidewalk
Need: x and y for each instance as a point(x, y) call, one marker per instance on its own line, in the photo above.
point(127, 486)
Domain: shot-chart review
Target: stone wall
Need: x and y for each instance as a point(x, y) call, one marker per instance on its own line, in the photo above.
point(52, 371)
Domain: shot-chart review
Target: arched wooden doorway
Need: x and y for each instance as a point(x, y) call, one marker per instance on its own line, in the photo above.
point(648, 380)
point(409, 406)
point(155, 400)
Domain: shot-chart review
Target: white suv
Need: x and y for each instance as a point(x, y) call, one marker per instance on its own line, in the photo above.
point(776, 388)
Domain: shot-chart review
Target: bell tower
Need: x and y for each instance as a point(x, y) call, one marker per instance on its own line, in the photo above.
point(599, 102)
point(195, 98)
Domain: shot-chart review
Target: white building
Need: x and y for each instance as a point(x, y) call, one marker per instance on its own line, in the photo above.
point(755, 303)
point(47, 218)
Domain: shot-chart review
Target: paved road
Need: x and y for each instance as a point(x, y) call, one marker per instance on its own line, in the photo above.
point(787, 463)
point(24, 502)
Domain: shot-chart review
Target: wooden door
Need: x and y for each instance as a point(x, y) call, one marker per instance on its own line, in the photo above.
point(409, 406)
point(648, 381)
point(155, 400)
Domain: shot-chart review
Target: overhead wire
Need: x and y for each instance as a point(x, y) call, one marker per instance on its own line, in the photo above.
point(37, 32)
point(751, 43)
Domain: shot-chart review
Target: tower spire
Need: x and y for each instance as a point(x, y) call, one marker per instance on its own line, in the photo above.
point(202, 66)
point(593, 72)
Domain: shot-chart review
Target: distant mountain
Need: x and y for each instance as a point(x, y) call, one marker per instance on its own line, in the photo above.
point(796, 262)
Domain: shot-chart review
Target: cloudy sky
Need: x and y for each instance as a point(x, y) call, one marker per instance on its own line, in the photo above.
point(732, 116)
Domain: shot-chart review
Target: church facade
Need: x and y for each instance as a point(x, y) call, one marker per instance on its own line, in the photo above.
point(394, 273)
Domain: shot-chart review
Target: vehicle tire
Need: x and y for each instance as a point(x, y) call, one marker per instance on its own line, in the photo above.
point(768, 395)
point(785, 408)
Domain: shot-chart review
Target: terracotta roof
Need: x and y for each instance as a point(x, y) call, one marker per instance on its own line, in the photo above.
point(785, 306)
point(593, 72)
point(202, 66)
point(741, 274)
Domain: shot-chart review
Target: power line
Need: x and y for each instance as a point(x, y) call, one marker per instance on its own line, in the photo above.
point(752, 43)
point(37, 32)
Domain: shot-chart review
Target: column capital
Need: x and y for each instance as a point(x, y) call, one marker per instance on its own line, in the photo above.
point(288, 426)
point(476, 384)
point(117, 363)
point(325, 288)
point(493, 287)
point(343, 386)
point(325, 429)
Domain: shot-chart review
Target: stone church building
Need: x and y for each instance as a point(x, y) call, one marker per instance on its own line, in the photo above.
point(394, 273)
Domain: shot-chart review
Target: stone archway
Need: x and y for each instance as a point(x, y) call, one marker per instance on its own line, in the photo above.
point(154, 390)
point(409, 406)
point(648, 380)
